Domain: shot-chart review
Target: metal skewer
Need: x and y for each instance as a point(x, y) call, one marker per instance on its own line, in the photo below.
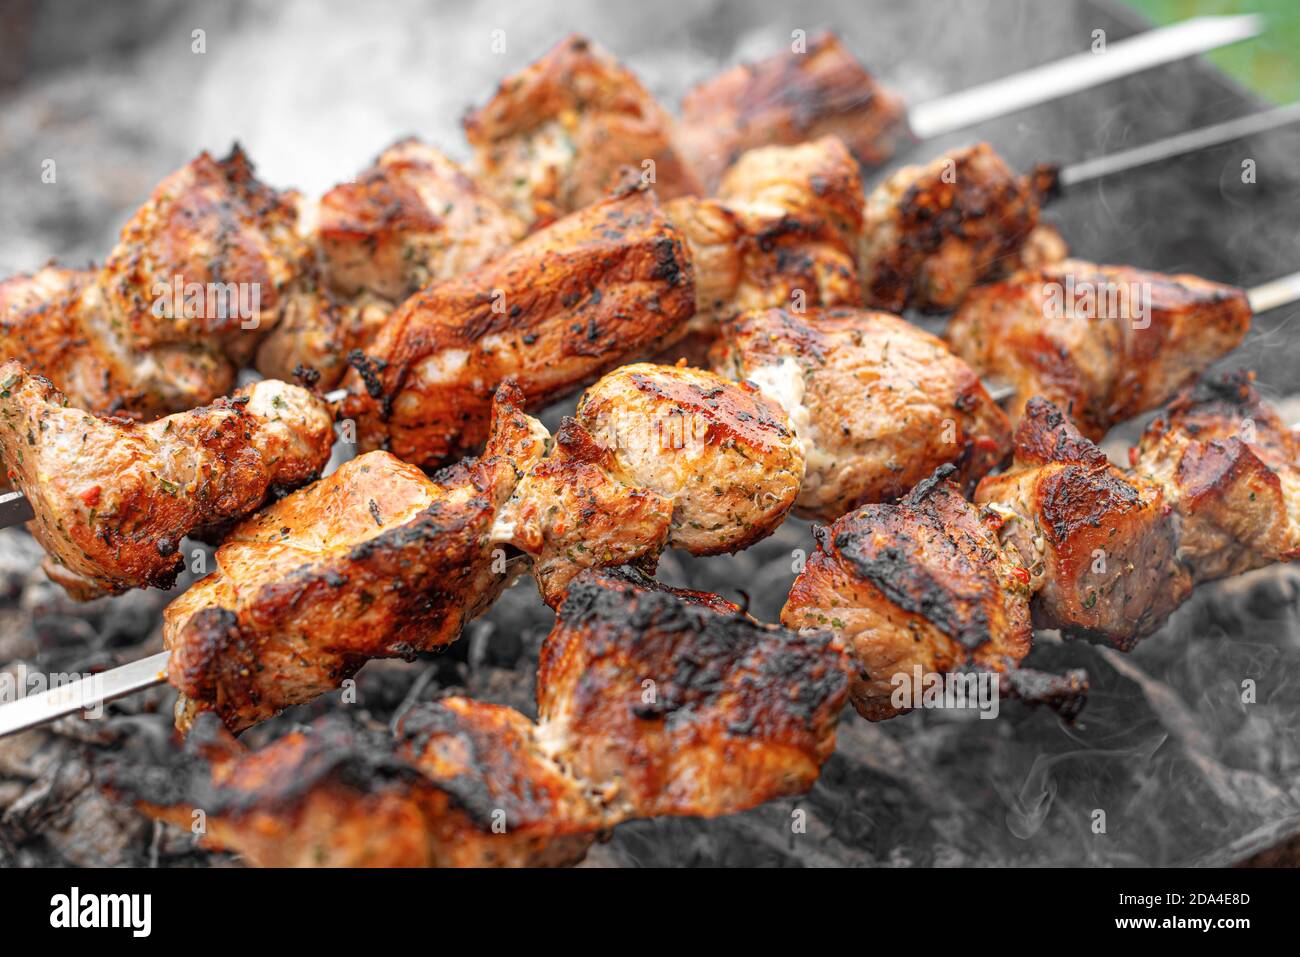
point(958, 111)
point(1179, 144)
point(99, 689)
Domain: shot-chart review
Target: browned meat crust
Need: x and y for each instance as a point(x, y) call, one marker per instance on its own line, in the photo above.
point(1231, 467)
point(374, 561)
point(212, 221)
point(412, 218)
point(603, 285)
point(678, 708)
point(557, 135)
point(783, 232)
point(932, 232)
point(464, 785)
point(723, 455)
point(921, 584)
point(1104, 343)
point(877, 403)
point(1100, 544)
point(788, 98)
point(113, 498)
point(578, 509)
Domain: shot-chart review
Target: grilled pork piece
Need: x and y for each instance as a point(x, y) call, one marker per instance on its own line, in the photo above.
point(113, 498)
point(920, 583)
point(412, 218)
point(578, 508)
point(463, 785)
point(932, 232)
point(678, 707)
point(789, 98)
point(1100, 544)
point(1104, 343)
point(199, 275)
point(724, 455)
point(657, 456)
point(374, 561)
point(877, 403)
point(556, 136)
point(55, 323)
point(573, 300)
point(210, 223)
point(653, 701)
point(1230, 467)
point(783, 232)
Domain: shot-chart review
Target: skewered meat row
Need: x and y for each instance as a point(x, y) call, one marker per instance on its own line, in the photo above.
point(787, 99)
point(1064, 539)
point(652, 701)
point(1104, 343)
point(217, 269)
point(112, 498)
point(378, 560)
point(614, 281)
point(877, 403)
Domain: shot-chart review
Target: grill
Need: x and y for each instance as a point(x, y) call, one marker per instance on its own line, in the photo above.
point(1168, 764)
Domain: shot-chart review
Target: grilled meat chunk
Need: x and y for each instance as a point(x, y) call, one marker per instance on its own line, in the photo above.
point(211, 223)
point(603, 285)
point(374, 561)
point(55, 322)
point(724, 455)
point(675, 707)
point(1100, 545)
point(113, 498)
point(1231, 468)
point(877, 403)
point(932, 232)
point(319, 332)
point(813, 182)
point(922, 583)
point(789, 98)
point(412, 218)
point(42, 324)
point(1104, 343)
point(463, 785)
point(556, 136)
point(1043, 247)
point(577, 508)
point(782, 232)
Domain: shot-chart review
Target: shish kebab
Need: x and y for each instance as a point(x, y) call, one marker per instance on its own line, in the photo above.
point(540, 152)
point(412, 217)
point(785, 353)
point(328, 276)
point(877, 404)
point(931, 582)
point(406, 166)
point(738, 713)
point(398, 562)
